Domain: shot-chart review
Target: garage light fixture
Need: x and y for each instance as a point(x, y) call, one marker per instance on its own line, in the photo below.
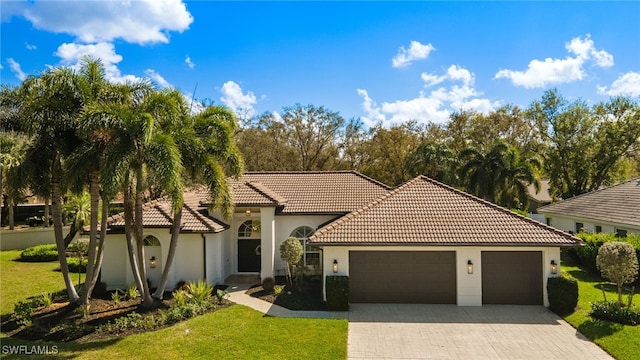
point(469, 267)
point(554, 267)
point(335, 266)
point(248, 212)
point(152, 262)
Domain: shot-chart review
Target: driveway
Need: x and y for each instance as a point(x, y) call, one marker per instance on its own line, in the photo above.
point(390, 331)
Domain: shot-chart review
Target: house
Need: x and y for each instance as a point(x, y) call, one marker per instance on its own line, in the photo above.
point(615, 209)
point(422, 242)
point(538, 198)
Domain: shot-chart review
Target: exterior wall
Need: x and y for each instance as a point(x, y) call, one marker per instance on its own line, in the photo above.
point(567, 223)
point(469, 286)
point(215, 258)
point(188, 264)
point(20, 239)
point(267, 242)
point(116, 270)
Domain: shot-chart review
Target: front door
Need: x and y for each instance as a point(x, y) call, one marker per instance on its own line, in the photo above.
point(248, 255)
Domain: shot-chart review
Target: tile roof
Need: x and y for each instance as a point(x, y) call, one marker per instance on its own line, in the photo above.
point(157, 214)
point(619, 203)
point(424, 211)
point(322, 192)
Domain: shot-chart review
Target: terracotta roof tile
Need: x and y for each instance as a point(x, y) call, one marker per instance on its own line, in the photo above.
point(424, 211)
point(619, 204)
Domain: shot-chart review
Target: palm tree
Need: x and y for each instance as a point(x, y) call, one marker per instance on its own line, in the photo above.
point(482, 172)
point(210, 156)
point(434, 160)
point(519, 171)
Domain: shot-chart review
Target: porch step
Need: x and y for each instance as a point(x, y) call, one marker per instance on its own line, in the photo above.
point(243, 279)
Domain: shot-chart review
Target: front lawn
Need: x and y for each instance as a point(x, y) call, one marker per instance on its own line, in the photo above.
point(235, 332)
point(621, 341)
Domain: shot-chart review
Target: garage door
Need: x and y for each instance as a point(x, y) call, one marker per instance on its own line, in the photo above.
point(412, 277)
point(512, 277)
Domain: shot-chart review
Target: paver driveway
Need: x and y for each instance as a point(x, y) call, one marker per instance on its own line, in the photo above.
point(390, 331)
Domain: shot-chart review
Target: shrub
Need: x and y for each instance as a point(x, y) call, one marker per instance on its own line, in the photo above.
point(278, 290)
point(616, 312)
point(200, 291)
point(563, 294)
point(115, 296)
point(76, 265)
point(221, 295)
point(618, 263)
point(47, 299)
point(180, 297)
point(40, 253)
point(23, 310)
point(291, 252)
point(337, 288)
point(592, 242)
point(132, 292)
point(268, 284)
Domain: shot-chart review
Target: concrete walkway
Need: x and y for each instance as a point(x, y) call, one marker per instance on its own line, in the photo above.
point(415, 331)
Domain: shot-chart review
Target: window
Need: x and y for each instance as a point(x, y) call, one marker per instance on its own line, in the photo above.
point(598, 229)
point(311, 256)
point(579, 227)
point(151, 240)
point(249, 229)
point(621, 233)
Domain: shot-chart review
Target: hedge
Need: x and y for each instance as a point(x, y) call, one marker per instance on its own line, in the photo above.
point(40, 253)
point(337, 288)
point(592, 243)
point(563, 294)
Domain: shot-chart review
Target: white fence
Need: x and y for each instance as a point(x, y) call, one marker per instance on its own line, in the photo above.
point(23, 238)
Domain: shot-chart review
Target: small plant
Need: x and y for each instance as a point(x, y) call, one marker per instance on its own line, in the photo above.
point(200, 291)
point(221, 295)
point(22, 312)
point(47, 299)
point(291, 252)
point(616, 312)
point(85, 310)
point(268, 283)
point(278, 290)
point(115, 296)
point(181, 297)
point(132, 292)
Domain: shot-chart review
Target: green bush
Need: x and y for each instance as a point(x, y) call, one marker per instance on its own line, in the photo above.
point(76, 266)
point(616, 312)
point(200, 292)
point(40, 253)
point(337, 288)
point(268, 284)
point(563, 294)
point(592, 243)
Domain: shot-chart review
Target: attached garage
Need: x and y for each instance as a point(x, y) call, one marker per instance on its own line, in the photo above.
point(512, 277)
point(411, 277)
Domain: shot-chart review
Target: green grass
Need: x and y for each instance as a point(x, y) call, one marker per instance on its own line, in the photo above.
point(21, 280)
point(621, 341)
point(235, 333)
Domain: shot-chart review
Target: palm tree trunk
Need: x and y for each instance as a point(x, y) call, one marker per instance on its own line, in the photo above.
point(47, 216)
point(173, 245)
point(56, 207)
point(94, 191)
point(147, 300)
point(103, 232)
point(11, 213)
point(73, 230)
point(128, 230)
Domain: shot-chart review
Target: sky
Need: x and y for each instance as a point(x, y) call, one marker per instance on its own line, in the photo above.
point(382, 62)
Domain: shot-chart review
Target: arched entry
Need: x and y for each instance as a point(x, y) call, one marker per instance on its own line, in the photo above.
point(153, 261)
point(249, 249)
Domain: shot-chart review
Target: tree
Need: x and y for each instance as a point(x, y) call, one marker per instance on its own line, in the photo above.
point(618, 263)
point(518, 172)
point(434, 160)
point(291, 252)
point(482, 172)
point(583, 147)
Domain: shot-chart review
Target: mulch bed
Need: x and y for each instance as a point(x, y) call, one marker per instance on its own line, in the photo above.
point(307, 297)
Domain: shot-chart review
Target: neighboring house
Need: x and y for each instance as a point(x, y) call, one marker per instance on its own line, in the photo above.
point(615, 209)
point(538, 198)
point(422, 242)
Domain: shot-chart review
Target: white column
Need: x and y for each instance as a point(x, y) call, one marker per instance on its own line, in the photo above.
point(469, 285)
point(267, 242)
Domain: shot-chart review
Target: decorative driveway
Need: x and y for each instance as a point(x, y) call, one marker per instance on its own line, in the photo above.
point(408, 331)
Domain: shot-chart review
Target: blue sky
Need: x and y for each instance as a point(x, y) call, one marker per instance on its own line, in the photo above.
point(378, 61)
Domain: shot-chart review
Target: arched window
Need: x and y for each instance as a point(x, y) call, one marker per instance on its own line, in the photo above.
point(151, 240)
point(311, 255)
point(249, 229)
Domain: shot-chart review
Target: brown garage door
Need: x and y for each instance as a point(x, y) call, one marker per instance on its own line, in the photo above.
point(512, 277)
point(412, 277)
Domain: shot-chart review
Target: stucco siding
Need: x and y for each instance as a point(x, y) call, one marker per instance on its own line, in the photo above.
point(189, 261)
point(116, 262)
point(589, 225)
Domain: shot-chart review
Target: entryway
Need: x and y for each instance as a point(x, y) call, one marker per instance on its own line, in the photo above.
point(249, 255)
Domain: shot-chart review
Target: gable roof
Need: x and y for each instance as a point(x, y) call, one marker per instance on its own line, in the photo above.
point(619, 203)
point(426, 212)
point(309, 192)
point(157, 214)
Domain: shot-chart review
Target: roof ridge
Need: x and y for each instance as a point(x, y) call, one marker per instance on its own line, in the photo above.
point(198, 216)
point(267, 192)
point(591, 192)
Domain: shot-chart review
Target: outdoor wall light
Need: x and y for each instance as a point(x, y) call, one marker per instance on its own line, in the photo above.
point(152, 262)
point(554, 267)
point(248, 212)
point(469, 267)
point(335, 266)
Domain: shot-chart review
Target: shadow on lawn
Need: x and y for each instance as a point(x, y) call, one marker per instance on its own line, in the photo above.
point(54, 350)
point(598, 329)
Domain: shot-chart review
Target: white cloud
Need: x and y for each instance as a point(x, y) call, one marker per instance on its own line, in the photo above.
point(416, 51)
point(15, 68)
point(70, 55)
point(241, 103)
point(557, 71)
point(30, 46)
point(627, 85)
point(138, 21)
point(435, 106)
point(189, 63)
point(157, 78)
